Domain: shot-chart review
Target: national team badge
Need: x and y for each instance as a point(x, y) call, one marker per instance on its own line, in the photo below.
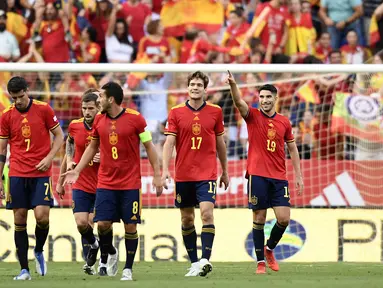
point(254, 200)
point(113, 138)
point(178, 198)
point(26, 131)
point(271, 133)
point(196, 129)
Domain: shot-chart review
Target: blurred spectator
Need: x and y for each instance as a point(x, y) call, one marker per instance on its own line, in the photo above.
point(187, 44)
point(52, 22)
point(99, 20)
point(16, 22)
point(303, 148)
point(327, 145)
point(270, 22)
point(235, 32)
point(378, 13)
point(352, 53)
point(118, 45)
point(88, 51)
point(301, 35)
point(155, 46)
point(340, 16)
point(9, 48)
point(370, 9)
point(137, 15)
point(323, 47)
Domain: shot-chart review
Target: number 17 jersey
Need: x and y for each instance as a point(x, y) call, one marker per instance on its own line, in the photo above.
point(195, 132)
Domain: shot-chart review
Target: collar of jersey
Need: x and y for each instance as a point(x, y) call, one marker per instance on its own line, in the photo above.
point(190, 107)
point(264, 114)
point(114, 118)
point(28, 107)
point(87, 126)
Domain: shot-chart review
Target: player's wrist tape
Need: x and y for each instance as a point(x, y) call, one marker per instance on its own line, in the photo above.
point(3, 158)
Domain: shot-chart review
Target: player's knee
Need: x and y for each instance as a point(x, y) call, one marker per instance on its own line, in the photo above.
point(130, 228)
point(103, 226)
point(284, 221)
point(207, 217)
point(82, 225)
point(43, 222)
point(187, 220)
point(259, 218)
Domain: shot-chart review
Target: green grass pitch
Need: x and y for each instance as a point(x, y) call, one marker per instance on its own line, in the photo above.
point(171, 274)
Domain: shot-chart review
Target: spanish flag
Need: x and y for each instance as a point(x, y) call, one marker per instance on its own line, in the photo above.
point(261, 13)
point(301, 35)
point(308, 93)
point(206, 15)
point(374, 31)
point(4, 100)
point(349, 119)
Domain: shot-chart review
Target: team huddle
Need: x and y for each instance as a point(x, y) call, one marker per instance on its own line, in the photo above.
point(102, 163)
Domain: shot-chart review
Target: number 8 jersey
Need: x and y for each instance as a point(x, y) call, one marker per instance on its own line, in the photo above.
point(119, 138)
point(28, 133)
point(267, 137)
point(195, 132)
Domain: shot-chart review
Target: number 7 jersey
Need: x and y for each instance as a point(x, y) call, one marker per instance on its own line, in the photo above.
point(267, 137)
point(195, 132)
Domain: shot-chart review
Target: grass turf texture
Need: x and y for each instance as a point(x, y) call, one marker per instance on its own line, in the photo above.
point(171, 274)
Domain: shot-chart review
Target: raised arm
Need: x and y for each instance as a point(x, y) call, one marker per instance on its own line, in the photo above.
point(236, 96)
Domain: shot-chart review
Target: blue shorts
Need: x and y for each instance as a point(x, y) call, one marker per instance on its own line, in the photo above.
point(265, 192)
point(116, 205)
point(28, 193)
point(82, 201)
point(190, 194)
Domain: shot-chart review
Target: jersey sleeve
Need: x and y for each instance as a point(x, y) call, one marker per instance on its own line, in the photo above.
point(251, 115)
point(142, 131)
point(70, 132)
point(289, 136)
point(95, 133)
point(51, 121)
point(4, 126)
point(171, 125)
point(219, 128)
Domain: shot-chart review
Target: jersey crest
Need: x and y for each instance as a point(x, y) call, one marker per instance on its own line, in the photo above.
point(113, 138)
point(271, 132)
point(196, 129)
point(25, 129)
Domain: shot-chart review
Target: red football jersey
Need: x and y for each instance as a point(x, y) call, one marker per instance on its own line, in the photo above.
point(267, 137)
point(195, 132)
point(29, 137)
point(79, 132)
point(120, 167)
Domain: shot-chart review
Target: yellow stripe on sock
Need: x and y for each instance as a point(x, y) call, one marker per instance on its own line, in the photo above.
point(258, 226)
point(188, 232)
point(208, 230)
point(131, 236)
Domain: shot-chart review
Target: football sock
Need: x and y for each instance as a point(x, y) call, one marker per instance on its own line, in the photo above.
point(41, 233)
point(87, 238)
point(276, 235)
point(207, 238)
point(190, 241)
point(259, 240)
point(22, 245)
point(106, 243)
point(131, 243)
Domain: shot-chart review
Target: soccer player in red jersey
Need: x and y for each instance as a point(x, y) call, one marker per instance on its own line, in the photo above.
point(84, 190)
point(266, 169)
point(26, 125)
point(118, 132)
point(196, 129)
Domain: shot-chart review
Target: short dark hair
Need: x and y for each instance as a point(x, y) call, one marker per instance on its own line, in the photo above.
point(199, 75)
point(112, 89)
point(152, 27)
point(17, 84)
point(89, 97)
point(270, 88)
point(335, 51)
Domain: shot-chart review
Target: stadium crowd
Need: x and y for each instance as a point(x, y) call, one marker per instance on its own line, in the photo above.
point(239, 31)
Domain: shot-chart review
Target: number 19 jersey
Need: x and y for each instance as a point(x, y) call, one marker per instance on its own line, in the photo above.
point(196, 132)
point(119, 138)
point(267, 137)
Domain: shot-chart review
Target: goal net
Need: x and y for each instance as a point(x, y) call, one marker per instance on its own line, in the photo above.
point(336, 115)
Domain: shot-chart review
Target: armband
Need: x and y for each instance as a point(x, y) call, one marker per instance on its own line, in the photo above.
point(145, 136)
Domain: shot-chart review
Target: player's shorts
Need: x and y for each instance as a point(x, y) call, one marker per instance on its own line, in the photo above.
point(190, 194)
point(30, 192)
point(83, 201)
point(265, 192)
point(116, 205)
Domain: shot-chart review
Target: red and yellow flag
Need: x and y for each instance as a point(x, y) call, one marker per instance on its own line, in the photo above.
point(374, 31)
point(308, 93)
point(177, 16)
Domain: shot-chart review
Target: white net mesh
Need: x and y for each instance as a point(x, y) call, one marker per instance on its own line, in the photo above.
point(336, 118)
